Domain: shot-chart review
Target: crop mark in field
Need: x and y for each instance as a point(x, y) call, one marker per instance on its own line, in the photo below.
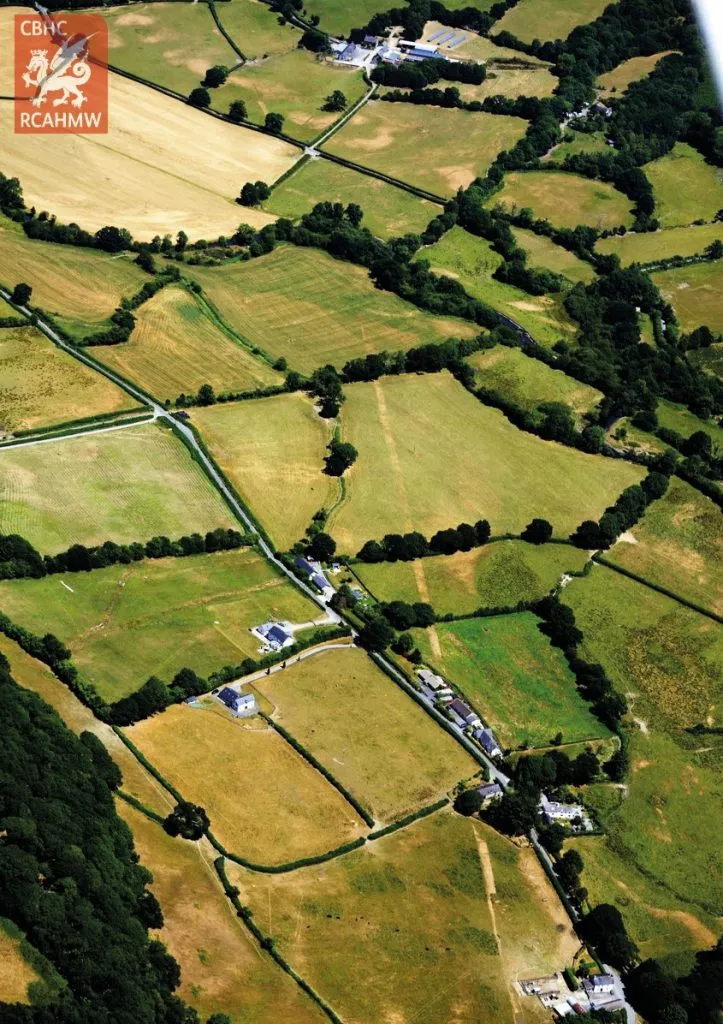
point(417, 565)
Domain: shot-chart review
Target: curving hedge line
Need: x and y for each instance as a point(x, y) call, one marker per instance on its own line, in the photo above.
point(660, 590)
point(267, 943)
point(147, 764)
point(424, 812)
point(308, 756)
point(292, 865)
point(140, 807)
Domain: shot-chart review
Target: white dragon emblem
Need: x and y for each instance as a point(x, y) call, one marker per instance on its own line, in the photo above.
point(66, 72)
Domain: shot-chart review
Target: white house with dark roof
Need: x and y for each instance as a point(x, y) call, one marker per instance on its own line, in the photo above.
point(274, 635)
point(486, 739)
point(237, 703)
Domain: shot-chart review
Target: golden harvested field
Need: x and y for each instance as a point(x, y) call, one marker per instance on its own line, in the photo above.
point(377, 926)
point(476, 47)
point(265, 802)
point(678, 544)
point(41, 384)
point(659, 245)
point(312, 309)
point(171, 166)
point(614, 83)
point(175, 347)
point(431, 455)
point(126, 485)
point(544, 254)
point(222, 968)
point(151, 40)
point(548, 19)
point(16, 974)
point(686, 188)
point(566, 200)
point(83, 286)
point(273, 452)
point(528, 382)
point(511, 82)
point(695, 293)
point(458, 145)
point(155, 617)
point(365, 730)
point(389, 212)
point(498, 574)
point(36, 676)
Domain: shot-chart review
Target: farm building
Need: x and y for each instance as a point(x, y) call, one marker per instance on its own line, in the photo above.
point(486, 739)
point(275, 635)
point(490, 791)
point(599, 984)
point(463, 713)
point(431, 680)
point(553, 811)
point(238, 703)
point(315, 576)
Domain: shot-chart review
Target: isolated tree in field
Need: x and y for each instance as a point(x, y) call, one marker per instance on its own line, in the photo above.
point(322, 547)
point(187, 820)
point(336, 101)
point(21, 294)
point(274, 123)
point(181, 241)
point(237, 111)
point(254, 192)
point(144, 259)
point(538, 531)
point(215, 76)
point(112, 239)
point(341, 456)
point(200, 97)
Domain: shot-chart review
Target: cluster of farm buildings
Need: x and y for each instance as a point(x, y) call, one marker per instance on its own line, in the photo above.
point(599, 992)
point(375, 50)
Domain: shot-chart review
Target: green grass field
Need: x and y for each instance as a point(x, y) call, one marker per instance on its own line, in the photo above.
point(312, 309)
point(151, 41)
point(564, 199)
point(528, 382)
point(273, 452)
point(499, 574)
point(678, 544)
point(471, 261)
point(338, 18)
point(388, 211)
point(126, 623)
point(43, 385)
point(288, 810)
point(123, 485)
point(256, 30)
point(709, 359)
point(446, 895)
point(616, 82)
point(295, 85)
point(431, 455)
point(222, 968)
point(81, 286)
point(664, 829)
point(695, 293)
point(685, 187)
point(650, 644)
point(513, 676)
point(580, 142)
point(548, 19)
point(384, 748)
point(677, 417)
point(649, 246)
point(175, 347)
point(543, 253)
point(458, 145)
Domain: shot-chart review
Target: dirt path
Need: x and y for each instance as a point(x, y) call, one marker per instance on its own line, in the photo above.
point(418, 564)
point(491, 889)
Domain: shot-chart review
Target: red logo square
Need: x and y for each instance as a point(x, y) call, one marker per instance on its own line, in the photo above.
point(61, 74)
